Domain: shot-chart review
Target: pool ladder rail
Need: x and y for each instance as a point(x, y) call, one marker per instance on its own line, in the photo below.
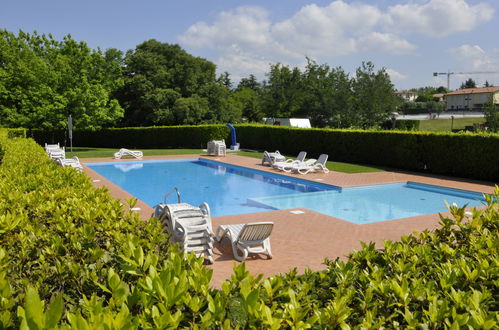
point(171, 192)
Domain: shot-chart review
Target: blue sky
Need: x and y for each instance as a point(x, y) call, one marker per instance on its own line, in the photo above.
point(410, 38)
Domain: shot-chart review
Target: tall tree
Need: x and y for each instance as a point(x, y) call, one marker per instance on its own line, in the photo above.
point(282, 93)
point(491, 114)
point(224, 80)
point(156, 76)
point(470, 83)
point(250, 83)
point(42, 81)
point(250, 103)
point(374, 94)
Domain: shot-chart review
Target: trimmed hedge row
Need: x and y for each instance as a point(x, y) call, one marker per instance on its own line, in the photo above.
point(71, 256)
point(464, 155)
point(155, 137)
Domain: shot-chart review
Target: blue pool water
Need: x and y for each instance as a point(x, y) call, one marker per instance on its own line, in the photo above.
point(235, 190)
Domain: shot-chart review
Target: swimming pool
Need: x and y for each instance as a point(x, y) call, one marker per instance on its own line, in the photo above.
point(230, 190)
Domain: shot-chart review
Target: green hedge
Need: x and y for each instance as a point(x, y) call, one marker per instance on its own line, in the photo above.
point(71, 256)
point(138, 137)
point(464, 155)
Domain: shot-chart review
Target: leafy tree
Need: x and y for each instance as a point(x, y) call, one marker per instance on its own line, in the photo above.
point(250, 83)
point(442, 90)
point(250, 103)
point(224, 80)
point(373, 93)
point(491, 114)
point(190, 111)
point(222, 107)
point(42, 81)
point(156, 76)
point(283, 92)
point(318, 93)
point(487, 84)
point(470, 83)
point(327, 95)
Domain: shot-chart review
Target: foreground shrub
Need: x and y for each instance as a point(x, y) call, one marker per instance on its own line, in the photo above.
point(70, 256)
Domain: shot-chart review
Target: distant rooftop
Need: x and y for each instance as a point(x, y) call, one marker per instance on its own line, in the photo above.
point(405, 92)
point(475, 90)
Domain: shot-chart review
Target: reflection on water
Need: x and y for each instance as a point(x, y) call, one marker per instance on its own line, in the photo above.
point(129, 167)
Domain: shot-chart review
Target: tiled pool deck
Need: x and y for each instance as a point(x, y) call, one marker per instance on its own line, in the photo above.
point(304, 240)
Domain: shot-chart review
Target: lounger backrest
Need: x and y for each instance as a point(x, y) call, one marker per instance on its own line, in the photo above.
point(322, 159)
point(310, 162)
point(256, 231)
point(301, 156)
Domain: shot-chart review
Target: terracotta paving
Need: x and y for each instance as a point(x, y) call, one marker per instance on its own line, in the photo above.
point(304, 240)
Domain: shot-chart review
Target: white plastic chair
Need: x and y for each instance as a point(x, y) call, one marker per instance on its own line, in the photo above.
point(55, 152)
point(300, 158)
point(319, 165)
point(125, 152)
point(272, 157)
point(217, 148)
point(51, 147)
point(290, 167)
point(71, 162)
point(247, 238)
point(190, 226)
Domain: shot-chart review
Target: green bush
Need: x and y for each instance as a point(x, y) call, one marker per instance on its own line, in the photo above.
point(71, 256)
point(472, 156)
point(402, 124)
point(463, 155)
point(139, 137)
point(16, 133)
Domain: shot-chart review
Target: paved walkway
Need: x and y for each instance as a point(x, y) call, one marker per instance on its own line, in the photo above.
point(303, 240)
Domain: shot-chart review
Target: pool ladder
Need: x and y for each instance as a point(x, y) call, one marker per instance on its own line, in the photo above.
point(171, 192)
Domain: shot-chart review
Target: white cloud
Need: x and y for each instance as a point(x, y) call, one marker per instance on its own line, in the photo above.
point(477, 59)
point(437, 17)
point(245, 38)
point(245, 26)
point(240, 65)
point(395, 75)
point(385, 42)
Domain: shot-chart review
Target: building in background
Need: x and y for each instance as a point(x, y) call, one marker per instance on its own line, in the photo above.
point(472, 99)
point(293, 122)
point(406, 95)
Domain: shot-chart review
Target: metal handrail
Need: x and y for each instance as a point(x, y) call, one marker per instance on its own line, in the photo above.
point(178, 195)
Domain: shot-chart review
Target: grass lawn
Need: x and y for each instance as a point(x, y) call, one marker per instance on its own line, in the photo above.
point(86, 152)
point(335, 166)
point(444, 125)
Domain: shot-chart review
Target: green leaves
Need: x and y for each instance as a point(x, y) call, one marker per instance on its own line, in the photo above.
point(35, 316)
point(44, 80)
point(82, 260)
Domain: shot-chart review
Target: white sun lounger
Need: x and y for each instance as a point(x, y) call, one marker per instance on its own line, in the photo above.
point(54, 151)
point(300, 158)
point(71, 162)
point(247, 238)
point(272, 157)
point(290, 167)
point(190, 226)
point(51, 147)
point(319, 165)
point(128, 153)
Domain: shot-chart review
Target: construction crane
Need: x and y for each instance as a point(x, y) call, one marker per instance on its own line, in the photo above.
point(448, 73)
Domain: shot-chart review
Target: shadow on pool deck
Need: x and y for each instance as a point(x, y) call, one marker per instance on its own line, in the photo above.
point(304, 240)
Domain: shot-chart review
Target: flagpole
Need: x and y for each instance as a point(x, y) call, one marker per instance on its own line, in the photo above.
point(70, 131)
